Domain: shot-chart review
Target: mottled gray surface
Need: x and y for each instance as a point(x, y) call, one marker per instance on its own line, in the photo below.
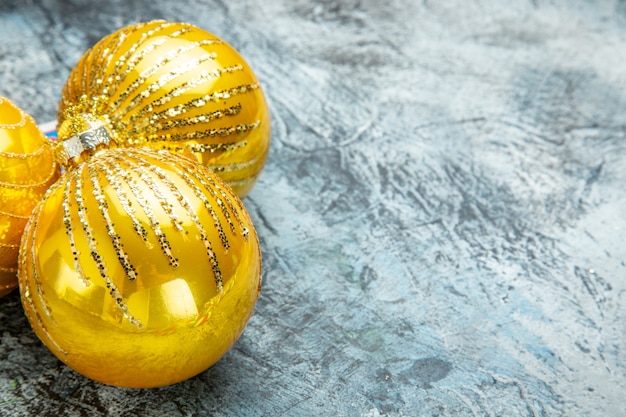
point(442, 214)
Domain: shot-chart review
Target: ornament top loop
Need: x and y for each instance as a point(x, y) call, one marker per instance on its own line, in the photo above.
point(80, 136)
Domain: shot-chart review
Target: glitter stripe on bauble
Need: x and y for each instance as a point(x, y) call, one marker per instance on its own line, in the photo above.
point(175, 86)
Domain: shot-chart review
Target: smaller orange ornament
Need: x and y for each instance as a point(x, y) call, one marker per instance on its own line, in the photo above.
point(27, 168)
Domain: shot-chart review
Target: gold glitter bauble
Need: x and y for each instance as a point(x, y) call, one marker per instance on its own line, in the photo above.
point(27, 168)
point(174, 86)
point(140, 268)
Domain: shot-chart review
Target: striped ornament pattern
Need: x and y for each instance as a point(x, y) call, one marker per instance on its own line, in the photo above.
point(132, 216)
point(176, 87)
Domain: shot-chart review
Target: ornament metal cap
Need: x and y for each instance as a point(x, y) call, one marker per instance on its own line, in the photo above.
point(80, 136)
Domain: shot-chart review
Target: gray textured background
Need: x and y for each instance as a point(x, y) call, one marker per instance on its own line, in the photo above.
point(442, 214)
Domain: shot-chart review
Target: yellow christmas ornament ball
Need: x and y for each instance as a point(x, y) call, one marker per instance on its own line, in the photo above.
point(174, 86)
point(140, 268)
point(27, 169)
